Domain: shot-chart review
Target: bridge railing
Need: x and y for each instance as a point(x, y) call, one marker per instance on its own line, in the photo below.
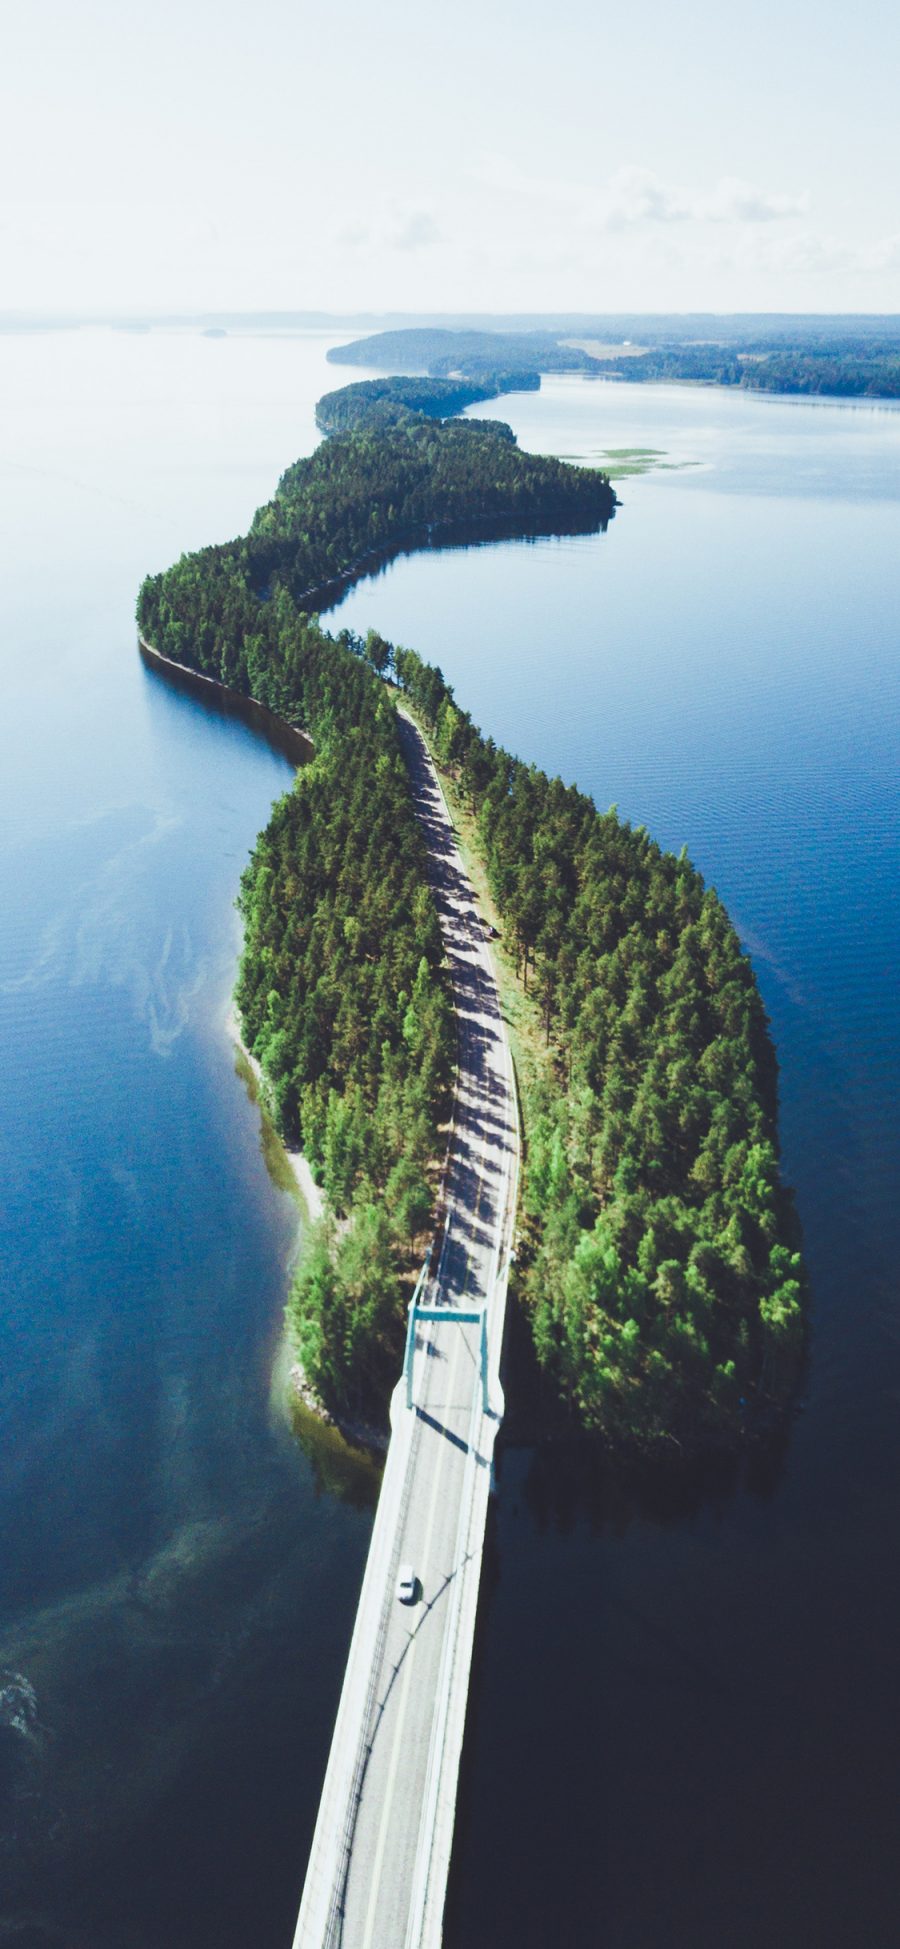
point(424, 1919)
point(336, 1912)
point(422, 1870)
point(320, 1922)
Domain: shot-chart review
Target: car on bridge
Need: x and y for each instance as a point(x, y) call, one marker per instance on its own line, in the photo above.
point(407, 1584)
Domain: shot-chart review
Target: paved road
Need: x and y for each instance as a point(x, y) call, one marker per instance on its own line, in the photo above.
point(408, 1722)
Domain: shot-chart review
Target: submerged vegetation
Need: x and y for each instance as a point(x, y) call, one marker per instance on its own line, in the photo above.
point(660, 1270)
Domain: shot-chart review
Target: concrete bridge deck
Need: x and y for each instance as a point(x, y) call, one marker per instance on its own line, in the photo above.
point(381, 1851)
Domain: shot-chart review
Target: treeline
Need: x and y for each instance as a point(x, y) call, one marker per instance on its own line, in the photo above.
point(845, 376)
point(711, 365)
point(662, 1273)
point(342, 992)
point(848, 372)
point(847, 364)
point(433, 349)
point(394, 401)
point(361, 496)
point(344, 1001)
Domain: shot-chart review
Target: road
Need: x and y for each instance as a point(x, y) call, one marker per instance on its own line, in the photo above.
point(380, 1856)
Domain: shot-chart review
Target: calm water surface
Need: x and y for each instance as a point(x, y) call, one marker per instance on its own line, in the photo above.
point(685, 1725)
point(176, 1591)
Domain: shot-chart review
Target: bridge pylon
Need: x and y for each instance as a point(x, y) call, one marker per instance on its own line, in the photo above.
point(445, 1316)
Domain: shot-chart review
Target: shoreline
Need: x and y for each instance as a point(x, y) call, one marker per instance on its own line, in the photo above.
point(308, 1194)
point(290, 739)
point(311, 1194)
point(299, 747)
point(314, 1209)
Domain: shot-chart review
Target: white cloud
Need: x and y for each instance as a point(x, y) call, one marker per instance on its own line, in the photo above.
point(884, 255)
point(418, 231)
point(634, 195)
point(733, 201)
point(798, 251)
point(354, 236)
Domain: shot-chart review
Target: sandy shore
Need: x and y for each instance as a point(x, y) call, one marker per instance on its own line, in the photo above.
point(310, 1192)
point(358, 1434)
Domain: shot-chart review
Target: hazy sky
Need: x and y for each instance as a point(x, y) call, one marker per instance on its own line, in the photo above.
point(497, 156)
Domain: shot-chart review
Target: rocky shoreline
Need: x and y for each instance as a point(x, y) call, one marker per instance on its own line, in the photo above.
point(358, 1434)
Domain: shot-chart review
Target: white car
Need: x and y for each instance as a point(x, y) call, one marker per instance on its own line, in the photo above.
point(407, 1584)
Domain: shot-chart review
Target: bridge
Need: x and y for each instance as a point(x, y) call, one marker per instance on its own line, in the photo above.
point(378, 1866)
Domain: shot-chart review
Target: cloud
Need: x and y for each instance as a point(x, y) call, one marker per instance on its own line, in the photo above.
point(798, 251)
point(733, 201)
point(634, 195)
point(884, 255)
point(355, 236)
point(418, 231)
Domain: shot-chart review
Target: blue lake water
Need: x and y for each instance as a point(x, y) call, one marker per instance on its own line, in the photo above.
point(176, 1591)
point(684, 1727)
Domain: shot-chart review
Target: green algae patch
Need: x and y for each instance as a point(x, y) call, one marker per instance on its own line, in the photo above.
point(623, 463)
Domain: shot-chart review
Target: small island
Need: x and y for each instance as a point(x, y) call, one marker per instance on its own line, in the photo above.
point(387, 402)
point(659, 1267)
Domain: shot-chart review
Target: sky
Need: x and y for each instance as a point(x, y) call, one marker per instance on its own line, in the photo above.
point(207, 155)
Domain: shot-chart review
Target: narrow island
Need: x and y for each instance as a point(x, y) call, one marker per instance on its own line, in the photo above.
point(379, 403)
point(659, 1269)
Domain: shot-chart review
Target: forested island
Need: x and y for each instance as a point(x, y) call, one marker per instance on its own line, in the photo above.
point(387, 402)
point(434, 350)
point(660, 1271)
point(805, 356)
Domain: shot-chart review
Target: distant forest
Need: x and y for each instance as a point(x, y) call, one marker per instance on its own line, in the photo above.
point(379, 403)
point(661, 1274)
point(845, 359)
point(427, 349)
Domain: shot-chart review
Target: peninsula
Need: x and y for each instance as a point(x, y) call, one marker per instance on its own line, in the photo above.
point(659, 1263)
